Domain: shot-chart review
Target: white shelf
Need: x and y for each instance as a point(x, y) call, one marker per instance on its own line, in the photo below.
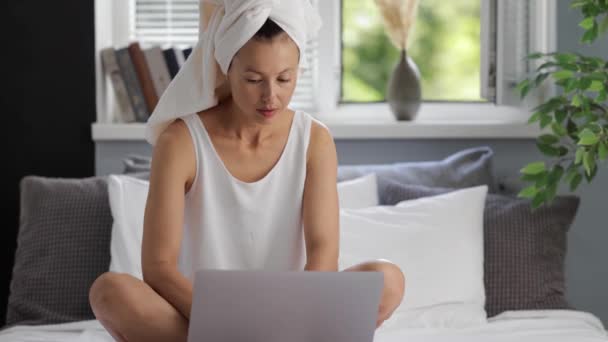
point(363, 130)
point(375, 121)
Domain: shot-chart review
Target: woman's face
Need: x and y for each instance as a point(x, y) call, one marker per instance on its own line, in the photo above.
point(263, 76)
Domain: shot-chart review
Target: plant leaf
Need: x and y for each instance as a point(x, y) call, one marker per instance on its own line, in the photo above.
point(558, 129)
point(560, 116)
point(587, 23)
point(580, 153)
point(576, 181)
point(587, 138)
point(534, 168)
point(546, 65)
point(545, 120)
point(602, 151)
point(571, 85)
point(589, 161)
point(548, 139)
point(535, 55)
point(541, 78)
point(591, 35)
point(535, 117)
point(563, 74)
point(604, 24)
point(556, 174)
point(528, 192)
point(596, 86)
point(572, 172)
point(578, 3)
point(589, 177)
point(602, 96)
point(538, 200)
point(566, 58)
point(548, 150)
point(551, 192)
point(584, 83)
point(577, 100)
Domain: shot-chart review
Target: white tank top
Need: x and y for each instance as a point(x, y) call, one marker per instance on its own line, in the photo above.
point(231, 224)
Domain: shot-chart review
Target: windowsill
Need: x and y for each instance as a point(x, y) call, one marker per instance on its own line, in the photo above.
point(375, 121)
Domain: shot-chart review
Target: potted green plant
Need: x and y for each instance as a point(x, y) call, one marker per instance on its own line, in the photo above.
point(575, 122)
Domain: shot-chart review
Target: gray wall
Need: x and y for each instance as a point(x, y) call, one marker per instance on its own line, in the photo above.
point(586, 272)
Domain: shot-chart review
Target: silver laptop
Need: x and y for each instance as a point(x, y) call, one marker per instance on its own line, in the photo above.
point(264, 306)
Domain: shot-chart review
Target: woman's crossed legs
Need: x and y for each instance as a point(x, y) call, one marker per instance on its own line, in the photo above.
point(132, 311)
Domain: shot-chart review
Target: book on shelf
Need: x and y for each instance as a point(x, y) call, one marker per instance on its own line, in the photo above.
point(158, 69)
point(143, 75)
point(134, 88)
point(140, 75)
point(112, 70)
point(187, 52)
point(175, 59)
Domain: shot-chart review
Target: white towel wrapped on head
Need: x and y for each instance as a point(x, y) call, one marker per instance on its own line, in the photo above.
point(232, 24)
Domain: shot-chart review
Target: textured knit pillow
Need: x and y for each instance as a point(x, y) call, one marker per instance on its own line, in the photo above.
point(62, 246)
point(524, 250)
point(463, 169)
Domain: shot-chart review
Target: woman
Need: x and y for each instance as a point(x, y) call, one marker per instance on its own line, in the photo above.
point(245, 183)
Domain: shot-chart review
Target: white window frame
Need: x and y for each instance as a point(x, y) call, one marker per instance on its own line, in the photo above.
point(543, 27)
point(111, 29)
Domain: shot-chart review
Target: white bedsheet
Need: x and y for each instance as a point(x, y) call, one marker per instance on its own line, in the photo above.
point(512, 326)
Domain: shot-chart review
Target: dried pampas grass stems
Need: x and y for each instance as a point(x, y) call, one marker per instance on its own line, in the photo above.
point(398, 17)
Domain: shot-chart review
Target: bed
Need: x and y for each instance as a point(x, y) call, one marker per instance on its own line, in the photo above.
point(520, 326)
point(503, 281)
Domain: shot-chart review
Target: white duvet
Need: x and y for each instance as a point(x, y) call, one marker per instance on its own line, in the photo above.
point(518, 326)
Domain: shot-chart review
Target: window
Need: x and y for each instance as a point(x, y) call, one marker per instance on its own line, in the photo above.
point(444, 44)
point(469, 51)
point(175, 22)
point(466, 50)
point(165, 22)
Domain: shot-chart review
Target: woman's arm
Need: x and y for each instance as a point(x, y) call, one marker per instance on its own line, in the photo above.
point(320, 209)
point(172, 171)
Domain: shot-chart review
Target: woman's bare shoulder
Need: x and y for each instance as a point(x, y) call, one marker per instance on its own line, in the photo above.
point(174, 153)
point(175, 133)
point(321, 140)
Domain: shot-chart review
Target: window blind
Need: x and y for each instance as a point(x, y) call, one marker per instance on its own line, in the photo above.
point(175, 23)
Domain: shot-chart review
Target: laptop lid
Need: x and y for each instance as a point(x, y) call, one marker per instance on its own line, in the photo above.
point(270, 306)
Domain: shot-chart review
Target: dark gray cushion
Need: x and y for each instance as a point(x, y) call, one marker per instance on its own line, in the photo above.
point(524, 250)
point(63, 245)
point(136, 164)
point(463, 169)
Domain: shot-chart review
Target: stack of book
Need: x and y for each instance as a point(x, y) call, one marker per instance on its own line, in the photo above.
point(140, 76)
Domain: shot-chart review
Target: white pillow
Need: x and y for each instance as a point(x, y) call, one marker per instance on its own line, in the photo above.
point(437, 242)
point(358, 193)
point(128, 197)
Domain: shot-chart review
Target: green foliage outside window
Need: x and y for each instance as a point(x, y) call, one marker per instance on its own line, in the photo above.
point(445, 46)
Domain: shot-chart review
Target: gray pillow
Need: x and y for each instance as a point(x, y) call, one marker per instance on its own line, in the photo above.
point(135, 163)
point(63, 245)
point(524, 250)
point(463, 169)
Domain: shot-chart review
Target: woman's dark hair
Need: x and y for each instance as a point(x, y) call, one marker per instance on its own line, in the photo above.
point(269, 30)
